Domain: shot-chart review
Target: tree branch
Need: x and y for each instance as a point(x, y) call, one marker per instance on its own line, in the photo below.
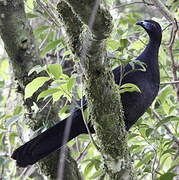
point(72, 24)
point(133, 3)
point(169, 16)
point(175, 139)
point(172, 82)
point(85, 12)
point(103, 98)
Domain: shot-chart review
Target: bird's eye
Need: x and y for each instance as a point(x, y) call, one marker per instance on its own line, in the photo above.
point(153, 25)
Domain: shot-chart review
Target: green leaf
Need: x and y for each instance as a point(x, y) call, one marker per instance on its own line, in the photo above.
point(88, 168)
point(120, 31)
point(113, 44)
point(141, 64)
point(137, 45)
point(66, 93)
point(29, 5)
point(40, 29)
point(56, 96)
point(97, 174)
point(50, 46)
point(33, 86)
point(167, 176)
point(70, 83)
point(165, 120)
point(66, 53)
point(55, 70)
point(148, 169)
point(2, 161)
point(36, 69)
point(148, 131)
point(128, 87)
point(170, 151)
point(80, 92)
point(64, 109)
point(164, 92)
point(124, 42)
point(175, 6)
point(2, 84)
point(134, 147)
point(145, 160)
point(132, 135)
point(47, 92)
point(17, 110)
point(31, 15)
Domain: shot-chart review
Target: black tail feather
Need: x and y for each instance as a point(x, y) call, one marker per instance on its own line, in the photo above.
point(49, 141)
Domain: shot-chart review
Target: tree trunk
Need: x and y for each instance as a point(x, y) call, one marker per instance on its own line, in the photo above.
point(102, 93)
point(19, 42)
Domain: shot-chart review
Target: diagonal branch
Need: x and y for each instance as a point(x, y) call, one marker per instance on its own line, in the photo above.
point(103, 98)
point(73, 26)
point(170, 133)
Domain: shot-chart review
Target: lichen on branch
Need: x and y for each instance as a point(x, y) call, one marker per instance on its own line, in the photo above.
point(23, 53)
point(102, 93)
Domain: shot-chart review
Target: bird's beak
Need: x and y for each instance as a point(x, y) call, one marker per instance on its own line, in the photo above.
point(145, 24)
point(141, 23)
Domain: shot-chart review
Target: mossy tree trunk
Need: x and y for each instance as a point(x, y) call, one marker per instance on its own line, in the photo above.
point(105, 108)
point(90, 47)
point(19, 42)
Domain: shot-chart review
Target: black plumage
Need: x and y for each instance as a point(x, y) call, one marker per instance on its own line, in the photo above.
point(134, 103)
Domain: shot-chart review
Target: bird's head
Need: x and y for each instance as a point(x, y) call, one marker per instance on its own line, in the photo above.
point(153, 29)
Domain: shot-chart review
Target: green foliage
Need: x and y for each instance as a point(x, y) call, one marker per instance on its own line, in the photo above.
point(50, 46)
point(54, 70)
point(167, 176)
point(128, 87)
point(33, 86)
point(61, 84)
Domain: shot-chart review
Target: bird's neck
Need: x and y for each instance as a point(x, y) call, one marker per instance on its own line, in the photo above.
point(150, 53)
point(150, 58)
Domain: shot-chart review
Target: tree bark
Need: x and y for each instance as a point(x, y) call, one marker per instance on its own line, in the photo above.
point(20, 45)
point(102, 93)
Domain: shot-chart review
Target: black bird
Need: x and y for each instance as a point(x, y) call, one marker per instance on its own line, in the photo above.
point(134, 103)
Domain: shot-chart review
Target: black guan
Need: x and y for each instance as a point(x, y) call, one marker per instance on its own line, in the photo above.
point(134, 103)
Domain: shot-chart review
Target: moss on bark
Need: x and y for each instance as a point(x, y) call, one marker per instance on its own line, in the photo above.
point(24, 55)
point(102, 93)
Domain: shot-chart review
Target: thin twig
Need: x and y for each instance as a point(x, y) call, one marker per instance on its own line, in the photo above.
point(84, 119)
point(170, 17)
point(153, 166)
point(63, 149)
point(83, 152)
point(45, 39)
point(132, 3)
point(170, 48)
point(172, 82)
point(167, 128)
point(52, 15)
point(39, 110)
point(168, 26)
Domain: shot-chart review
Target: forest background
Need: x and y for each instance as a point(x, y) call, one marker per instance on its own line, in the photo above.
point(153, 141)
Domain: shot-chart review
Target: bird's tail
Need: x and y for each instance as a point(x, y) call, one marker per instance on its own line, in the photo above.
point(50, 140)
